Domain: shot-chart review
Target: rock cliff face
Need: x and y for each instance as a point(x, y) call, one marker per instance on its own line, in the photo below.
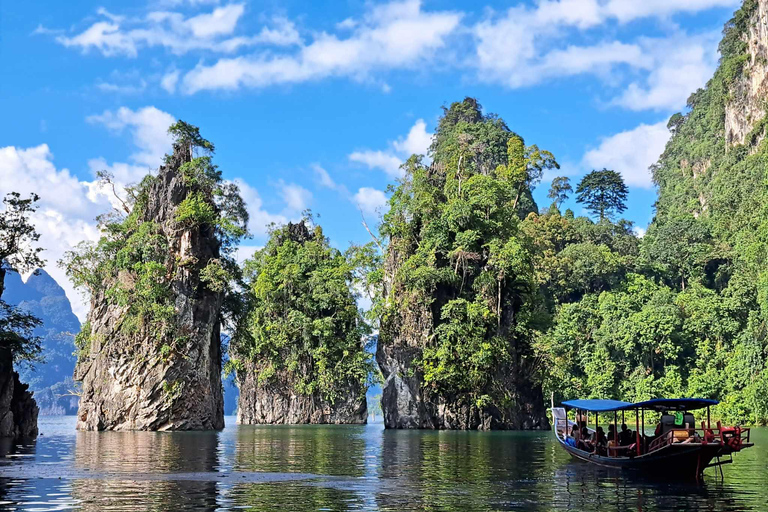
point(407, 403)
point(132, 381)
point(18, 410)
point(278, 405)
point(748, 93)
point(275, 399)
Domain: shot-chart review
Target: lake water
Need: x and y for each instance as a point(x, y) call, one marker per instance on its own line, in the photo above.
point(344, 468)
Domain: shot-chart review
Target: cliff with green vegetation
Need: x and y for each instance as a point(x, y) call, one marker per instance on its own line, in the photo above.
point(149, 354)
point(458, 306)
point(688, 317)
point(298, 352)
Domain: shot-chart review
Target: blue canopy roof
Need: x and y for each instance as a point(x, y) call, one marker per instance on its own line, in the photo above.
point(676, 404)
point(657, 404)
point(597, 405)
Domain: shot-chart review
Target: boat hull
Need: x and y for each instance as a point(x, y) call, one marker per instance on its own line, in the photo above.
point(676, 460)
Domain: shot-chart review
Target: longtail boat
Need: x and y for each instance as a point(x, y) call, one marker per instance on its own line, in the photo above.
point(678, 447)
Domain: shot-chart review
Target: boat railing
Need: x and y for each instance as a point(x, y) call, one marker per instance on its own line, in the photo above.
point(731, 436)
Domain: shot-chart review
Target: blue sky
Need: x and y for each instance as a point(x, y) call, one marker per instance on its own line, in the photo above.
point(314, 104)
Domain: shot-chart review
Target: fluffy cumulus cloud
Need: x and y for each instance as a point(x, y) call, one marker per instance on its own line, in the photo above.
point(259, 219)
point(631, 153)
point(524, 45)
point(66, 209)
point(370, 200)
point(676, 66)
point(69, 205)
point(416, 142)
point(395, 35)
point(214, 31)
point(529, 45)
point(296, 197)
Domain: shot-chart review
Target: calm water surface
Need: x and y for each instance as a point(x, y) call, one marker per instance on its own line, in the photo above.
point(344, 468)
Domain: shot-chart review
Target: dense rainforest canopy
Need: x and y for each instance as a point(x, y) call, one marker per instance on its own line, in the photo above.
point(301, 326)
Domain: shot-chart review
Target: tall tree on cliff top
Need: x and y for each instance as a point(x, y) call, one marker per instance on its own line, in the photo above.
point(603, 193)
point(456, 257)
point(560, 190)
point(18, 254)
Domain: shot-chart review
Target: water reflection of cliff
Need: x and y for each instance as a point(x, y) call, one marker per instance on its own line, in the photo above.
point(317, 450)
point(121, 463)
point(459, 471)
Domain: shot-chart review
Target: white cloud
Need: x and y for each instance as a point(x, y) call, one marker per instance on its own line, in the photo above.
point(66, 209)
point(169, 81)
point(638, 231)
point(221, 21)
point(396, 35)
point(148, 127)
point(529, 45)
point(127, 89)
point(371, 200)
point(259, 218)
point(323, 177)
point(416, 142)
point(296, 197)
point(211, 31)
point(678, 66)
point(630, 153)
point(385, 161)
point(628, 10)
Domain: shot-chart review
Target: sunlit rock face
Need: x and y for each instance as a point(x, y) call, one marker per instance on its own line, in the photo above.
point(129, 380)
point(746, 106)
point(407, 403)
point(280, 404)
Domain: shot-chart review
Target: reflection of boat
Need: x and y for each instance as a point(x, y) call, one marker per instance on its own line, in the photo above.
point(677, 448)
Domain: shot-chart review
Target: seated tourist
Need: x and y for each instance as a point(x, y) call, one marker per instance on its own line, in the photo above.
point(585, 441)
point(575, 434)
point(599, 441)
point(626, 437)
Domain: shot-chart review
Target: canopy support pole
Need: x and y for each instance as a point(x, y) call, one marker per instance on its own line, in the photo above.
point(637, 431)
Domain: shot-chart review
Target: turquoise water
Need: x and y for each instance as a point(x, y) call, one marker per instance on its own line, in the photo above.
point(344, 468)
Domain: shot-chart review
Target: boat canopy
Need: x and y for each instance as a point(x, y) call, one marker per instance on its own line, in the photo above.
point(595, 405)
point(657, 404)
point(676, 404)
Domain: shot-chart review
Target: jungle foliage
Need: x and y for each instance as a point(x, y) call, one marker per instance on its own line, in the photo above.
point(132, 264)
point(688, 316)
point(302, 327)
point(18, 253)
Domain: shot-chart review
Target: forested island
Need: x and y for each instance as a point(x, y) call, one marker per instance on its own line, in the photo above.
point(485, 302)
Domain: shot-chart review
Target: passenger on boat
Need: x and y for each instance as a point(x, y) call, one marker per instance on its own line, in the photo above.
point(585, 441)
point(575, 433)
point(626, 437)
point(600, 441)
point(693, 437)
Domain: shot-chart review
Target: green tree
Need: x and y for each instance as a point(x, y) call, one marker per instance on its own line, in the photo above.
point(18, 253)
point(455, 248)
point(560, 190)
point(603, 193)
point(301, 325)
point(133, 265)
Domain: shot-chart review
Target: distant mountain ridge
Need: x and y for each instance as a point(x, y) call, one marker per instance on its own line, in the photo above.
point(51, 381)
